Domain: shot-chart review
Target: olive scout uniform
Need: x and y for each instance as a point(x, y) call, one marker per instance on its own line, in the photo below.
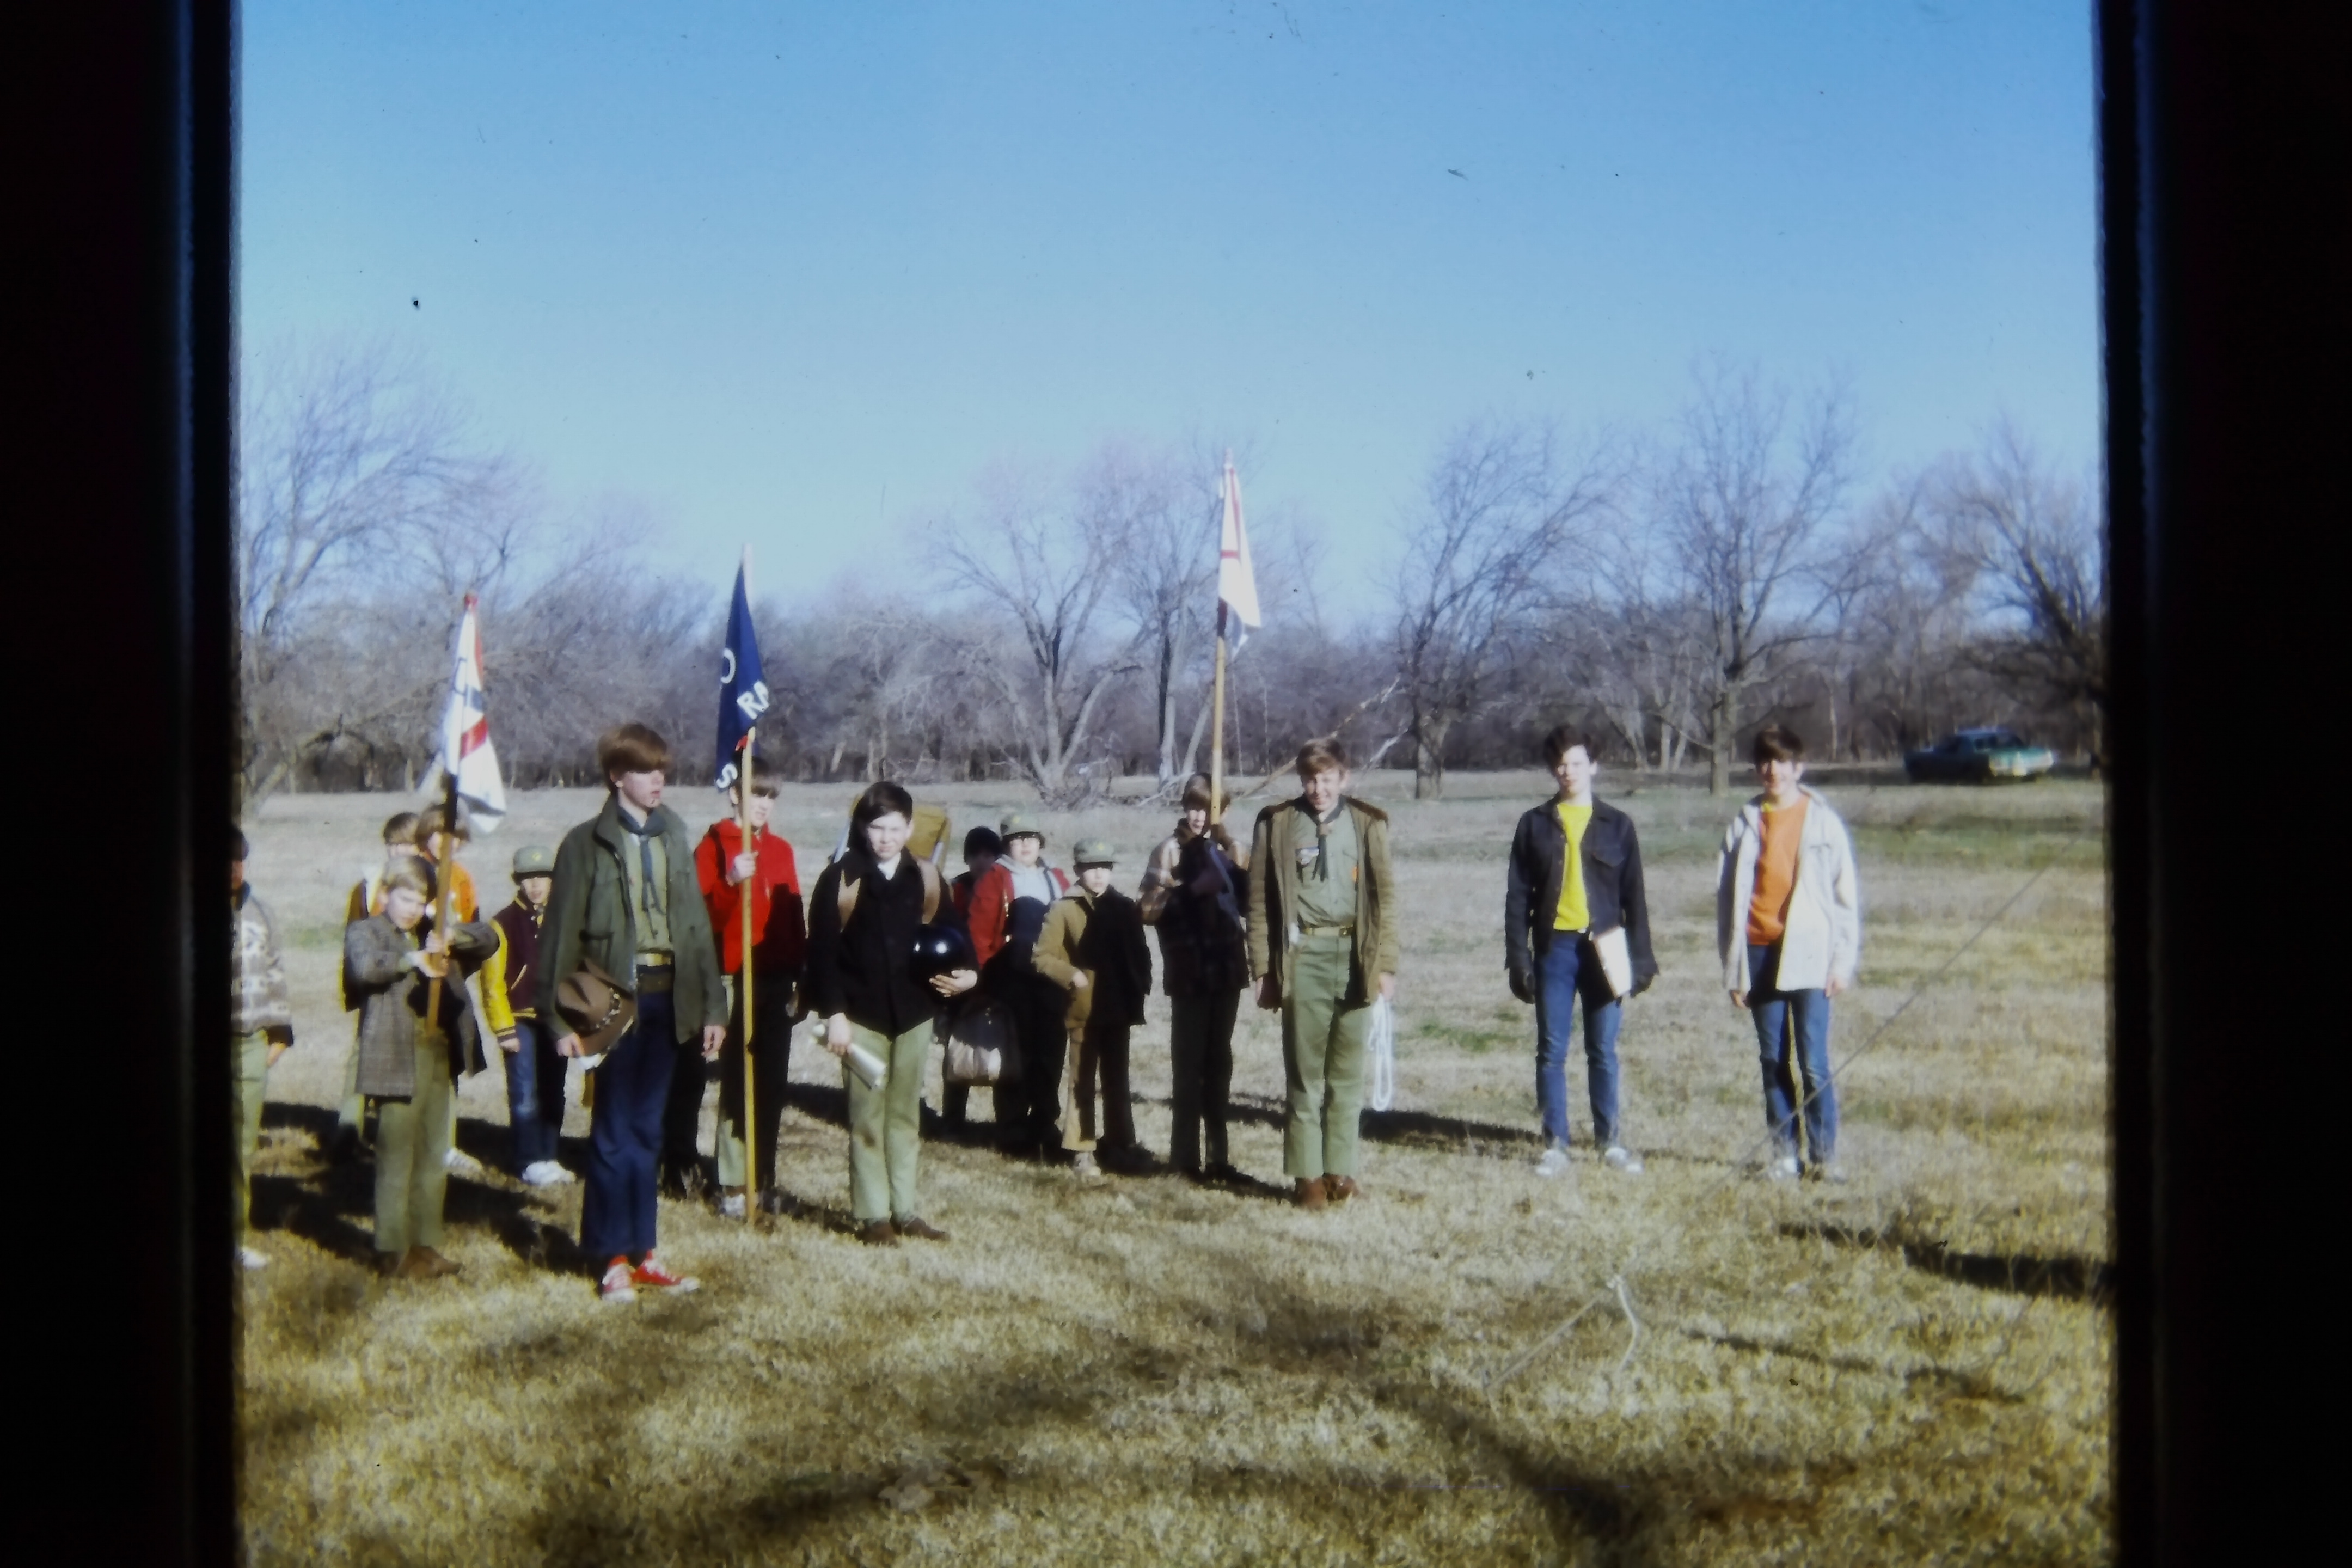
point(1101, 937)
point(1323, 922)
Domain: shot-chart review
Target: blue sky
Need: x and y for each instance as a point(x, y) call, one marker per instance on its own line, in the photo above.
point(798, 274)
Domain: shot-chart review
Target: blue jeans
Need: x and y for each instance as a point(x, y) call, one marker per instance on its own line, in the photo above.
point(534, 1094)
point(624, 1135)
point(1792, 1037)
point(1568, 973)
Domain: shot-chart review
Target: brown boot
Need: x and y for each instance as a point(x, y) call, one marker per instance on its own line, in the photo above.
point(424, 1263)
point(878, 1233)
point(1311, 1196)
point(920, 1228)
point(1341, 1188)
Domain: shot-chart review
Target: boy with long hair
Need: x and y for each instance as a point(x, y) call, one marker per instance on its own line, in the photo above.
point(864, 917)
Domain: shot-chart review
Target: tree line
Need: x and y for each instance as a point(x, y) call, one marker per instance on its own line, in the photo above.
point(1670, 590)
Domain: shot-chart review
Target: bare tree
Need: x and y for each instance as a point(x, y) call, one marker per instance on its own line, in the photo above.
point(355, 469)
point(1039, 569)
point(1159, 516)
point(1739, 505)
point(2028, 536)
point(1498, 507)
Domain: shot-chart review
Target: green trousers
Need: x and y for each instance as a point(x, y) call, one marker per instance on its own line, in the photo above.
point(412, 1154)
point(351, 1111)
point(252, 1078)
point(1322, 1059)
point(885, 1128)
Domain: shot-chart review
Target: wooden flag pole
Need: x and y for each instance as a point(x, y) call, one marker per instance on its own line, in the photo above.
point(1217, 729)
point(445, 877)
point(750, 845)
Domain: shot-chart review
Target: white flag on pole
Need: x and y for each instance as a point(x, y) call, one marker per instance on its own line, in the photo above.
point(1236, 575)
point(466, 753)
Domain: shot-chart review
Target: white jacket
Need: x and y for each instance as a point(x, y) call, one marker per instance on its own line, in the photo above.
point(1824, 937)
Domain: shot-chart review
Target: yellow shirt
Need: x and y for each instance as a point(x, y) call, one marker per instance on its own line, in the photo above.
point(1572, 914)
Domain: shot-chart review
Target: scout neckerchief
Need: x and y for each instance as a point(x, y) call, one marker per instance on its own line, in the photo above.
point(650, 898)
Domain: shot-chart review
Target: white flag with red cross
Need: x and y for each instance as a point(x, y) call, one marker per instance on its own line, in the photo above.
point(466, 753)
point(1236, 576)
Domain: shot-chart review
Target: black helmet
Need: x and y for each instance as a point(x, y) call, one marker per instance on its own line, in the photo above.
point(941, 950)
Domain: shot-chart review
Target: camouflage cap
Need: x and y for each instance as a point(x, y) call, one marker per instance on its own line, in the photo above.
point(534, 860)
point(1017, 822)
point(1093, 852)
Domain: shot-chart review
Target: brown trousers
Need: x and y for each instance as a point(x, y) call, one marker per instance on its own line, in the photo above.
point(1098, 1052)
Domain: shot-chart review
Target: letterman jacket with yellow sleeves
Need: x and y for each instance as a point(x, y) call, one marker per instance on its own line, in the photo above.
point(1282, 829)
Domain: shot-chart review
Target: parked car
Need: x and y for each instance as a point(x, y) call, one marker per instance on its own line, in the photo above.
point(1978, 756)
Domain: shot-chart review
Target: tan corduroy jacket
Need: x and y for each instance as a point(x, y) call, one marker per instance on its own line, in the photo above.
point(1101, 937)
point(1274, 893)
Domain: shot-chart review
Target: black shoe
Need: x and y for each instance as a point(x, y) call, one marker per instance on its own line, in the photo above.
point(776, 1201)
point(1221, 1172)
point(344, 1145)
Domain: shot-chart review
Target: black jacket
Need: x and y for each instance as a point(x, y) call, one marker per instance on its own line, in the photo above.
point(1204, 949)
point(867, 971)
point(1614, 895)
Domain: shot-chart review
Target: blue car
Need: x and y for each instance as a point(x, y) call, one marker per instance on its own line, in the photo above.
point(1978, 756)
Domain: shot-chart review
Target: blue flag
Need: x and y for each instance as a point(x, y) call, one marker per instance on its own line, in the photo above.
point(742, 684)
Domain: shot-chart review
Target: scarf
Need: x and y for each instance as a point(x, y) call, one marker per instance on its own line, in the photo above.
point(644, 833)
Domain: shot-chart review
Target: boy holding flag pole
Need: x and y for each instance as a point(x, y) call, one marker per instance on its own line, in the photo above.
point(752, 889)
point(470, 781)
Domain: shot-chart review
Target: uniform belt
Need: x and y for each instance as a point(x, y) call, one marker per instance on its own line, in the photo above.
point(1348, 929)
point(655, 978)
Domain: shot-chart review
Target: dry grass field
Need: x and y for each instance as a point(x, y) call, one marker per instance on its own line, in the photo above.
point(1909, 1368)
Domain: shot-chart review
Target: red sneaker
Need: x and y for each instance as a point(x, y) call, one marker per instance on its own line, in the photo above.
point(651, 1276)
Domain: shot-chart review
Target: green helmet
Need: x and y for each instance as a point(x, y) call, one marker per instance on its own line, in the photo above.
point(534, 860)
point(1093, 852)
point(1017, 822)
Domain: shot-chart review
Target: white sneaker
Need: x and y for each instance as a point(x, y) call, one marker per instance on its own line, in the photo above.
point(1085, 1169)
point(545, 1173)
point(248, 1258)
point(1554, 1162)
point(620, 1285)
point(1833, 1173)
point(1783, 1169)
point(1617, 1157)
point(463, 1163)
point(732, 1206)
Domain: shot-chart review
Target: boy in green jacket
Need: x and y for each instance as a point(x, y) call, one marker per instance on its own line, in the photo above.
point(1322, 947)
point(625, 898)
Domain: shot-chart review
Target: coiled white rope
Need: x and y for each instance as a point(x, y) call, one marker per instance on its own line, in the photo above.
point(1379, 1045)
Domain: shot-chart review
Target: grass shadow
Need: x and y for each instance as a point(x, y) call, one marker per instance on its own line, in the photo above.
point(2067, 1278)
point(325, 1203)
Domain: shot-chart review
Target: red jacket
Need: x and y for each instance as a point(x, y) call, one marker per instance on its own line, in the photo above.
point(778, 925)
point(991, 908)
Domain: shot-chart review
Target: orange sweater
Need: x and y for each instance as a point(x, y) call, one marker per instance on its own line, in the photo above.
point(1776, 873)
